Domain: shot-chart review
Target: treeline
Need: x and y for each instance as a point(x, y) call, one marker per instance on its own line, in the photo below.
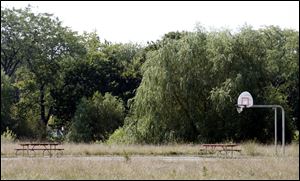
point(181, 88)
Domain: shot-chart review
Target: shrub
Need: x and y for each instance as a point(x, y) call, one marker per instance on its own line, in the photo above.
point(96, 118)
point(120, 137)
point(7, 101)
point(8, 136)
point(296, 137)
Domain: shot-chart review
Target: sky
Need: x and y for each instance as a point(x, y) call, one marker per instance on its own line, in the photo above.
point(142, 21)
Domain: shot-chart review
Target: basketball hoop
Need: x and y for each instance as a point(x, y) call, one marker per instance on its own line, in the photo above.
point(245, 100)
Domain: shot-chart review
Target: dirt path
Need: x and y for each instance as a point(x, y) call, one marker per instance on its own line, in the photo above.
point(123, 158)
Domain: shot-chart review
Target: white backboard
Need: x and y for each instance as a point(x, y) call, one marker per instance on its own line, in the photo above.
point(245, 99)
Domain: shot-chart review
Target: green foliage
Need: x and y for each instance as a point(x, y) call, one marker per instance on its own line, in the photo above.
point(7, 99)
point(54, 130)
point(167, 93)
point(43, 43)
point(106, 68)
point(13, 42)
point(117, 137)
point(296, 137)
point(96, 118)
point(190, 85)
point(123, 135)
point(181, 88)
point(26, 111)
point(80, 79)
point(36, 42)
point(8, 136)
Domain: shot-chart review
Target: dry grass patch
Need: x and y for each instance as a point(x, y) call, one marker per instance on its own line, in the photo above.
point(72, 149)
point(82, 161)
point(143, 168)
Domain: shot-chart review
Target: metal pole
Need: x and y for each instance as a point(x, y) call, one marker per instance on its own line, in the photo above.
point(283, 121)
point(283, 134)
point(275, 133)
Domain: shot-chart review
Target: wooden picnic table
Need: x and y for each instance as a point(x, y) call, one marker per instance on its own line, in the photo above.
point(221, 148)
point(49, 147)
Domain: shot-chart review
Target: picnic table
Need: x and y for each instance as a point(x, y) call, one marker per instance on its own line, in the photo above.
point(225, 148)
point(50, 148)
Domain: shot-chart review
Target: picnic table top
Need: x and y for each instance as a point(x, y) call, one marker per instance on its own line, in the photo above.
point(221, 145)
point(27, 144)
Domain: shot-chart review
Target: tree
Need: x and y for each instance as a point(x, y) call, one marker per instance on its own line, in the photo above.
point(27, 109)
point(106, 67)
point(96, 118)
point(79, 79)
point(45, 43)
point(283, 67)
point(190, 86)
point(8, 98)
point(13, 39)
point(163, 104)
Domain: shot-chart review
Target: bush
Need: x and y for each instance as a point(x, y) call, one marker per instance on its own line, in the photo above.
point(117, 137)
point(7, 101)
point(96, 118)
point(120, 137)
point(8, 136)
point(296, 137)
point(27, 119)
point(126, 134)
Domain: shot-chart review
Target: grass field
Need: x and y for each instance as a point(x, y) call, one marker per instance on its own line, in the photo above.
point(80, 162)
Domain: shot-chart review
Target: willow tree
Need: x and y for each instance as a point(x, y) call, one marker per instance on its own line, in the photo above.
point(190, 85)
point(168, 104)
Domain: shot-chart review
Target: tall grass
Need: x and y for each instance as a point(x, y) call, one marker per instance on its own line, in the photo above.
point(251, 148)
point(248, 149)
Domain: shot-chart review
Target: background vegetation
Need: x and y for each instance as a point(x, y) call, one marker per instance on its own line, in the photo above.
point(181, 88)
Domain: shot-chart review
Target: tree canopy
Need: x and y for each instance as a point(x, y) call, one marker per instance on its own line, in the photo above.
point(180, 88)
point(190, 86)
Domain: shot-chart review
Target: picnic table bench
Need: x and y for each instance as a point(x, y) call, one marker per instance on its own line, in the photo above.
point(50, 148)
point(220, 148)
